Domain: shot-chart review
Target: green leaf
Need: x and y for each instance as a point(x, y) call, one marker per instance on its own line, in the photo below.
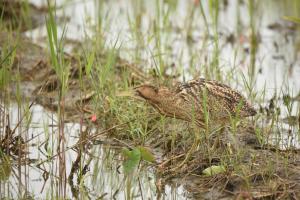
point(213, 170)
point(4, 77)
point(132, 161)
point(146, 154)
point(126, 153)
point(5, 167)
point(292, 19)
point(90, 62)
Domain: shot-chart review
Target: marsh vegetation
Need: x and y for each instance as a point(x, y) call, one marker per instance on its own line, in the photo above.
point(70, 126)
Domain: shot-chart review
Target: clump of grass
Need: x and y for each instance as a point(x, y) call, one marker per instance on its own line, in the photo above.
point(62, 70)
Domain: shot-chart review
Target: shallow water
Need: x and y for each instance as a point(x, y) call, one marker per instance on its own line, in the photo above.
point(277, 68)
point(277, 63)
point(277, 58)
point(104, 178)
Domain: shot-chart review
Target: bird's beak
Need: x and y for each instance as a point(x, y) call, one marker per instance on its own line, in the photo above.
point(133, 93)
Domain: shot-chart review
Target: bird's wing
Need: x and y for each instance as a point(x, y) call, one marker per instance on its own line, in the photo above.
point(231, 100)
point(218, 95)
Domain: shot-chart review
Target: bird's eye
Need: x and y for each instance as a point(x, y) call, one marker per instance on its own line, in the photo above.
point(137, 93)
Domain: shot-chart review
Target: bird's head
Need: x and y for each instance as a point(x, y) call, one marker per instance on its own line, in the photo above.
point(151, 93)
point(147, 92)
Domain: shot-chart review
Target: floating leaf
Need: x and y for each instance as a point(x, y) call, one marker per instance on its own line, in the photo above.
point(213, 170)
point(146, 154)
point(132, 161)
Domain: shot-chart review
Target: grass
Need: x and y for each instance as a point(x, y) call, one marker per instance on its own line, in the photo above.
point(62, 70)
point(133, 124)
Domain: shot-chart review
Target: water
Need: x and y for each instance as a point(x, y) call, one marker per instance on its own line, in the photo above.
point(277, 58)
point(105, 176)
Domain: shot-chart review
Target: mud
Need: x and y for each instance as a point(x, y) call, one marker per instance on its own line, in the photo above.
point(21, 15)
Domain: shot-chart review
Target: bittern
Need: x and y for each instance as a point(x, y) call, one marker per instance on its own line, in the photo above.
point(204, 102)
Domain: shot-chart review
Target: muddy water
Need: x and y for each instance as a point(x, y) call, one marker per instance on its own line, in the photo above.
point(277, 69)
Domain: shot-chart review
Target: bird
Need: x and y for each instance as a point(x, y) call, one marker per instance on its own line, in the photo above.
point(193, 99)
point(203, 102)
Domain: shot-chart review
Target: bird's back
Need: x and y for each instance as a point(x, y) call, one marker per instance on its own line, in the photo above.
point(218, 101)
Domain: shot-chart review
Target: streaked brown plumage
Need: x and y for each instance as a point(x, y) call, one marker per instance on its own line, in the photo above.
point(190, 100)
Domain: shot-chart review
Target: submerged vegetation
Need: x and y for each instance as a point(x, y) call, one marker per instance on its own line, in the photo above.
point(71, 127)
